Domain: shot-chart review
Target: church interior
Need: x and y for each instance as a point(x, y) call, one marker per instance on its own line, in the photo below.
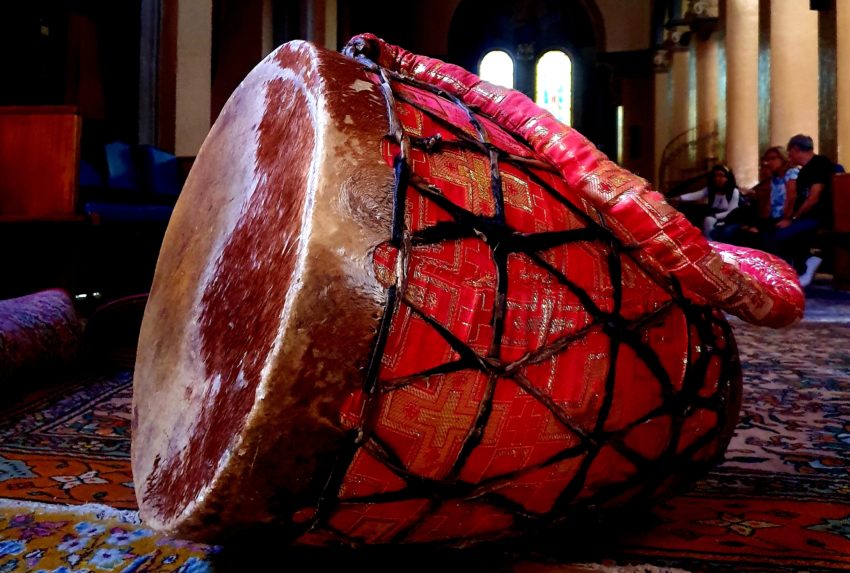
point(107, 110)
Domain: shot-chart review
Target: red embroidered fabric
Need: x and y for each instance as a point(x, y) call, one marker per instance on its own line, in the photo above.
point(750, 284)
point(528, 367)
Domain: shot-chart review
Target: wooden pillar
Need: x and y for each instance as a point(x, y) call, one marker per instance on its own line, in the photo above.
point(827, 85)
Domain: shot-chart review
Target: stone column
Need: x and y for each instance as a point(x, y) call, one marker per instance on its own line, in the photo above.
point(742, 105)
point(843, 81)
point(193, 75)
point(793, 70)
point(663, 103)
point(705, 17)
point(707, 96)
point(680, 78)
point(707, 93)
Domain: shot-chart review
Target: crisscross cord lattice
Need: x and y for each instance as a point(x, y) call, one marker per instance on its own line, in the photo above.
point(503, 241)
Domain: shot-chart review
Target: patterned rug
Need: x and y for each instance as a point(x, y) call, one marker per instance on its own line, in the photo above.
point(60, 450)
point(88, 538)
point(70, 444)
point(780, 502)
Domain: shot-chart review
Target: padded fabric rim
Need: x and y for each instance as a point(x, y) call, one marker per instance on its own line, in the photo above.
point(755, 286)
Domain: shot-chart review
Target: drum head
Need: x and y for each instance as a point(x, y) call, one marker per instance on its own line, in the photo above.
point(237, 351)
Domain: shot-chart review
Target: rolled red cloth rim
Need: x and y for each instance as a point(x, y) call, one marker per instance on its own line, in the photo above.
point(755, 286)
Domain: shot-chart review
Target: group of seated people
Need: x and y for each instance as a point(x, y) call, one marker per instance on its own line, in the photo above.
point(780, 215)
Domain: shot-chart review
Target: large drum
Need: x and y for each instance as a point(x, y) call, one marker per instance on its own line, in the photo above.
point(398, 304)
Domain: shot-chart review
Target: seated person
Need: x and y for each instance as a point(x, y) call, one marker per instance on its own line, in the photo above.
point(781, 177)
point(793, 237)
point(718, 198)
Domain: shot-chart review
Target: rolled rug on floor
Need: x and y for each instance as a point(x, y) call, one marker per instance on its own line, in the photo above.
point(39, 332)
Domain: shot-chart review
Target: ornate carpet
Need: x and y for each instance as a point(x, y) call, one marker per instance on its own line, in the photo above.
point(64, 480)
point(780, 502)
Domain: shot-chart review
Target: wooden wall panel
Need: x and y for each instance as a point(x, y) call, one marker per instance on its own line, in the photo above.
point(39, 162)
point(841, 203)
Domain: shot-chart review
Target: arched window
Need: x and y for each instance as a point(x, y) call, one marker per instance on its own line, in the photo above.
point(554, 85)
point(497, 67)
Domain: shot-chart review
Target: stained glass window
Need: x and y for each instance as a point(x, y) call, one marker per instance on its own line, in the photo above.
point(554, 80)
point(497, 67)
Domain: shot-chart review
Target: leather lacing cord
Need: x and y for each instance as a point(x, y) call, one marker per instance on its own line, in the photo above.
point(503, 241)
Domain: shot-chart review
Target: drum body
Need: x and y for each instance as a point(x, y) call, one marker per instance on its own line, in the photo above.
point(379, 317)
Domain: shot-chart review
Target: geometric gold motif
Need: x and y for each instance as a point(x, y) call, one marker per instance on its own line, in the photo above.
point(525, 350)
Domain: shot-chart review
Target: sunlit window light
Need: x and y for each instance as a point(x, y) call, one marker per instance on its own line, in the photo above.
point(621, 134)
point(553, 86)
point(497, 67)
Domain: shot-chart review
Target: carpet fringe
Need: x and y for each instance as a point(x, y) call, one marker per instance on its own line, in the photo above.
point(95, 510)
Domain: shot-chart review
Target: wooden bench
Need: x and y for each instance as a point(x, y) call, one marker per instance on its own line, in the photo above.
point(840, 239)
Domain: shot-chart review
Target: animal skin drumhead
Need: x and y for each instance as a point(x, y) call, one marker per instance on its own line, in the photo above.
point(263, 293)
